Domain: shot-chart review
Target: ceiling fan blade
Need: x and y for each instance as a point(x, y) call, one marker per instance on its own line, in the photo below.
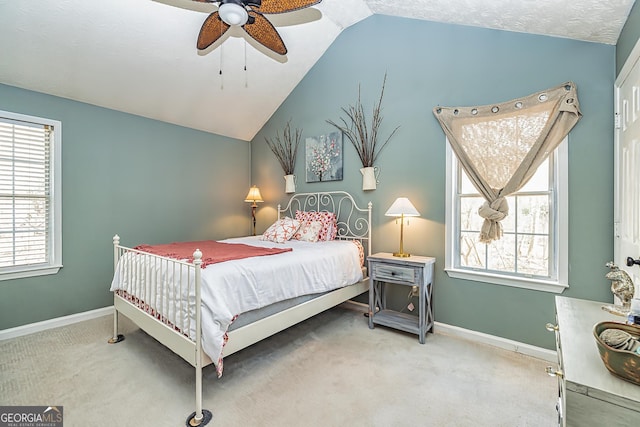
point(212, 29)
point(265, 33)
point(282, 6)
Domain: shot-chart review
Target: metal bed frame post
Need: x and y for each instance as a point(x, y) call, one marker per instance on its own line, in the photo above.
point(116, 338)
point(200, 417)
point(369, 206)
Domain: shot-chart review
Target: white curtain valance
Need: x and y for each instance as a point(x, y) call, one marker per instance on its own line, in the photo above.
point(500, 146)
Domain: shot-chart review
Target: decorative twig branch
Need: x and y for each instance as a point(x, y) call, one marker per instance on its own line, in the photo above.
point(355, 128)
point(285, 148)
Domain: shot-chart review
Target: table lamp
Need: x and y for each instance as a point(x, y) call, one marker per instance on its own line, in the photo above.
point(254, 197)
point(400, 208)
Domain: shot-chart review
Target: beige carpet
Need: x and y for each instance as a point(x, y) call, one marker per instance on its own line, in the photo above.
point(331, 370)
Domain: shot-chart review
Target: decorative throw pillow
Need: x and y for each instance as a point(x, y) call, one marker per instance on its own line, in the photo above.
point(309, 231)
point(328, 220)
point(281, 230)
point(358, 244)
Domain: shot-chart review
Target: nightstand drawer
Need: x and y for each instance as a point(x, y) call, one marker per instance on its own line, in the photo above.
point(393, 272)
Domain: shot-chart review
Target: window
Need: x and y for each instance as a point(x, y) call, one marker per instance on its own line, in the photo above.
point(30, 202)
point(533, 250)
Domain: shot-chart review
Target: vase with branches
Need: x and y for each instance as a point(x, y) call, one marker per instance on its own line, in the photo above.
point(363, 136)
point(285, 148)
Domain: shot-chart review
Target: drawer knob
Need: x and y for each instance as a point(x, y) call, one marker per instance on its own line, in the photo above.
point(551, 327)
point(552, 372)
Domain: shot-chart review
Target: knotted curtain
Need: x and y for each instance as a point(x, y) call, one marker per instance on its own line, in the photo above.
point(500, 146)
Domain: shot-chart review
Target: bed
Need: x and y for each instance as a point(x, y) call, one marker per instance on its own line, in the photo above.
point(204, 314)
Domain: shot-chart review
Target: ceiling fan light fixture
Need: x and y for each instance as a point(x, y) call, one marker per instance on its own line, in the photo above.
point(233, 14)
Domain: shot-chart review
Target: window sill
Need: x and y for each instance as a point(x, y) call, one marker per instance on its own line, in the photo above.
point(29, 272)
point(515, 282)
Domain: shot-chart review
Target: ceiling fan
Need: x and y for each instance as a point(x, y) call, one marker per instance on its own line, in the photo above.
point(248, 14)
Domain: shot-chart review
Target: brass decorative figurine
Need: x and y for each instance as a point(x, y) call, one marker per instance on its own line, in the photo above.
point(622, 287)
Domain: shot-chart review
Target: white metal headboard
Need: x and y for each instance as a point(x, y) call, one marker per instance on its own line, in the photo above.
point(354, 222)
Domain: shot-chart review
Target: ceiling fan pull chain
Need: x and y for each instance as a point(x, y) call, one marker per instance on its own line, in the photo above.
point(246, 78)
point(221, 77)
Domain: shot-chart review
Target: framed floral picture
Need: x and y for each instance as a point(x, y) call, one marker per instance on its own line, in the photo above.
point(323, 157)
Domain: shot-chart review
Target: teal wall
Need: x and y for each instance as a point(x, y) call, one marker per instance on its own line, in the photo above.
point(431, 64)
point(628, 37)
point(154, 182)
point(148, 181)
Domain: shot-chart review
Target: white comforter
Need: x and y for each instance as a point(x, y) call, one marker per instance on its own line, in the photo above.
point(233, 287)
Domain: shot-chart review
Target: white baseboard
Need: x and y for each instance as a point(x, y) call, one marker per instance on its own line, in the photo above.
point(518, 347)
point(440, 328)
point(468, 334)
point(31, 328)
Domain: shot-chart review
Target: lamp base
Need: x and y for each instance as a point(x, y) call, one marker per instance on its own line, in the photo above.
point(401, 254)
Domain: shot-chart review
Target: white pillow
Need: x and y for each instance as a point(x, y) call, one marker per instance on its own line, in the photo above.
point(281, 230)
point(309, 231)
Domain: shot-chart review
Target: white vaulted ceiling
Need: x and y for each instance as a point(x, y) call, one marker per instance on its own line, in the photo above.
point(139, 56)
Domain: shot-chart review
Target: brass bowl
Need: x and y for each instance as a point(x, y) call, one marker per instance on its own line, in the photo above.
point(621, 363)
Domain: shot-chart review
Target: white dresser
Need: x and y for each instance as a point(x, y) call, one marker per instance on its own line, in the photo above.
point(589, 395)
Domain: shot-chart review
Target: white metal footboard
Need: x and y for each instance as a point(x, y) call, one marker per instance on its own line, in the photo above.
point(157, 299)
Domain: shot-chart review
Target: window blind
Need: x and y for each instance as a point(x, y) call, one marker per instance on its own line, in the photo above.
point(25, 193)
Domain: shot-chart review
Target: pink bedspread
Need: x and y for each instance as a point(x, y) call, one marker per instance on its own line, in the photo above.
point(212, 251)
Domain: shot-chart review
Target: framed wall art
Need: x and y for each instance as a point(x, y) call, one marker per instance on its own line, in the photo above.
point(323, 158)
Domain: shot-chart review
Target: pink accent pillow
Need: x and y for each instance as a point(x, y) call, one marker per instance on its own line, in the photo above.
point(281, 230)
point(358, 243)
point(309, 231)
point(328, 220)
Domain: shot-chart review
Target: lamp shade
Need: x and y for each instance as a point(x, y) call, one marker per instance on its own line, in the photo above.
point(254, 195)
point(402, 206)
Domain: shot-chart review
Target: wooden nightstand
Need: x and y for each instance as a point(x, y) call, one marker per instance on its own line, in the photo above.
point(412, 271)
